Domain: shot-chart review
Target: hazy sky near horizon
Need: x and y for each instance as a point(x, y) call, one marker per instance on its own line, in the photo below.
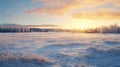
point(66, 13)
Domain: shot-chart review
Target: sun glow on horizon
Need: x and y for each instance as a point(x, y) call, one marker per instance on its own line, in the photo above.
point(83, 24)
point(80, 24)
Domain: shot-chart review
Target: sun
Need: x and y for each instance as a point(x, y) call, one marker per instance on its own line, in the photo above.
point(80, 24)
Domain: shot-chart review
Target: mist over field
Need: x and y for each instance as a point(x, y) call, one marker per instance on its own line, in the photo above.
point(55, 49)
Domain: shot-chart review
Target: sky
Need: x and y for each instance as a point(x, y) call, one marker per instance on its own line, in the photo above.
point(69, 14)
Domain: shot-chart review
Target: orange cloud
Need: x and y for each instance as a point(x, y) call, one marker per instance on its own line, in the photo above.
point(54, 7)
point(60, 7)
point(55, 11)
point(98, 15)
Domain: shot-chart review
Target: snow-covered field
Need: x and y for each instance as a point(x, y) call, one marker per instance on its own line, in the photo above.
point(59, 50)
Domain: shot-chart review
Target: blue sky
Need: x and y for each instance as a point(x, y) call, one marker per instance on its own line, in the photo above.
point(66, 13)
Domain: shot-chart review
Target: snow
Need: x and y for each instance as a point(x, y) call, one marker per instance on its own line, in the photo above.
point(55, 49)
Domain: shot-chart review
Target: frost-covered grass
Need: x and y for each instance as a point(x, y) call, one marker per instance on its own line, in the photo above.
point(59, 50)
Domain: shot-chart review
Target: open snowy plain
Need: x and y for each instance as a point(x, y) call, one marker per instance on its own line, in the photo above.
point(54, 49)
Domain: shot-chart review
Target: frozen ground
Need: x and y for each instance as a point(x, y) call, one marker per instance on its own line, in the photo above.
point(59, 50)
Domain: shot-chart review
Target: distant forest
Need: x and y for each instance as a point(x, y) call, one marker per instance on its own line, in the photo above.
point(14, 28)
point(105, 29)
